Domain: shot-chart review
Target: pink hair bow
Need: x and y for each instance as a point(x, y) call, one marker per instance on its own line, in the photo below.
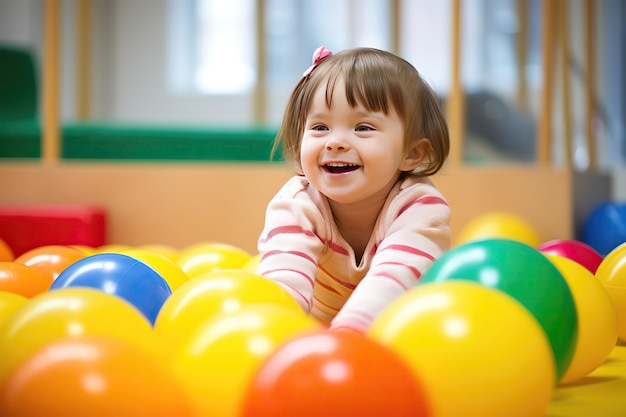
point(319, 55)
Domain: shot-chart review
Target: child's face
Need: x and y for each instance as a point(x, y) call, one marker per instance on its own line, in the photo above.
point(351, 155)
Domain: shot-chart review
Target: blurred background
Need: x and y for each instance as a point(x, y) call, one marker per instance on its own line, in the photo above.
point(225, 63)
point(524, 82)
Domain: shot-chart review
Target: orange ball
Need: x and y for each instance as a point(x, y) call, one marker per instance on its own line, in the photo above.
point(51, 259)
point(6, 253)
point(93, 376)
point(23, 280)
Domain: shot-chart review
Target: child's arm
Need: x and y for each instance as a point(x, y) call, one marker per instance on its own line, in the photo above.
point(289, 246)
point(417, 236)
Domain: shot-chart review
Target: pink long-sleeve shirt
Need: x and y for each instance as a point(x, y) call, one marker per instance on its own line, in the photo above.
point(302, 250)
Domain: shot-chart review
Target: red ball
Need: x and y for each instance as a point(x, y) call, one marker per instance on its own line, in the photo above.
point(577, 251)
point(335, 374)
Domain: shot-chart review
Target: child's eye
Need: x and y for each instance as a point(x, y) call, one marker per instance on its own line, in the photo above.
point(319, 127)
point(363, 128)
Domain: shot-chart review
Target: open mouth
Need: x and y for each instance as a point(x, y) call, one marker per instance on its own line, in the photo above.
point(340, 168)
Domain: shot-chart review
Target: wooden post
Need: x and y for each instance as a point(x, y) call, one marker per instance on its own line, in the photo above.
point(83, 59)
point(260, 91)
point(590, 81)
point(544, 138)
point(50, 146)
point(522, 54)
point(563, 15)
point(455, 103)
point(396, 26)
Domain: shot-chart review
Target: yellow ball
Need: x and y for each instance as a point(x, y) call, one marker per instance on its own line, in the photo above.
point(612, 274)
point(212, 294)
point(165, 250)
point(9, 304)
point(219, 359)
point(112, 248)
point(206, 257)
point(499, 226)
point(253, 263)
point(597, 319)
point(165, 267)
point(70, 312)
point(477, 351)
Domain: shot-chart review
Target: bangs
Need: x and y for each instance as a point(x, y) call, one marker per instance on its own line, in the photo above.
point(369, 81)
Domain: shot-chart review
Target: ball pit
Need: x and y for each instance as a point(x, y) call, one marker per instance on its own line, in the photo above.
point(612, 274)
point(220, 343)
point(21, 279)
point(597, 319)
point(119, 275)
point(465, 340)
point(575, 250)
point(6, 253)
point(334, 374)
point(51, 259)
point(499, 225)
point(215, 293)
point(9, 304)
point(219, 359)
point(203, 257)
point(605, 227)
point(525, 274)
point(70, 312)
point(93, 376)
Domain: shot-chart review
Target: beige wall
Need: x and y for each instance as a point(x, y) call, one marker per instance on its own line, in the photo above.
point(181, 204)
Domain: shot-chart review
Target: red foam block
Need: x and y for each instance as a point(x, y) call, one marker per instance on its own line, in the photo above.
point(25, 227)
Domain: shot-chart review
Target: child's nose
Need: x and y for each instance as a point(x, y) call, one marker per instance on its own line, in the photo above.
point(337, 142)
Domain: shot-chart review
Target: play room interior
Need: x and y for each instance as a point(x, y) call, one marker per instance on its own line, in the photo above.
point(130, 124)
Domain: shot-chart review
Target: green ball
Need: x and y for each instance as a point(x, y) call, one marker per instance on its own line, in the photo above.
point(525, 274)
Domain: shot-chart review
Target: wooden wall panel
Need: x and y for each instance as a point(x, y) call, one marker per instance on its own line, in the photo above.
point(181, 204)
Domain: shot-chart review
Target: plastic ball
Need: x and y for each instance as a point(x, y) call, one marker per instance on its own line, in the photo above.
point(497, 225)
point(477, 351)
point(112, 248)
point(574, 250)
point(212, 294)
point(612, 275)
point(70, 312)
point(23, 280)
point(253, 263)
point(119, 275)
point(597, 319)
point(206, 257)
point(9, 304)
point(166, 268)
point(219, 359)
point(51, 259)
point(6, 253)
point(525, 274)
point(168, 251)
point(605, 227)
point(87, 250)
point(334, 374)
point(93, 376)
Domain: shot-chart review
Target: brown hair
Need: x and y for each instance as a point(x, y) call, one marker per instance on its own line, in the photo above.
point(379, 81)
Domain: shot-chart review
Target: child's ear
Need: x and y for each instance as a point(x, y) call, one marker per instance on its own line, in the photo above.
point(417, 153)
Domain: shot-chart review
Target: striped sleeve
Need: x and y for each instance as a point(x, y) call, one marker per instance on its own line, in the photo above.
point(418, 233)
point(289, 245)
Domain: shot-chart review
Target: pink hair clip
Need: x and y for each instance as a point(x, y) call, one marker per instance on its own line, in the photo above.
point(318, 56)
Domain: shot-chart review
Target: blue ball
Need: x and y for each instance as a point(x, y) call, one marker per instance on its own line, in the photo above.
point(605, 227)
point(119, 275)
